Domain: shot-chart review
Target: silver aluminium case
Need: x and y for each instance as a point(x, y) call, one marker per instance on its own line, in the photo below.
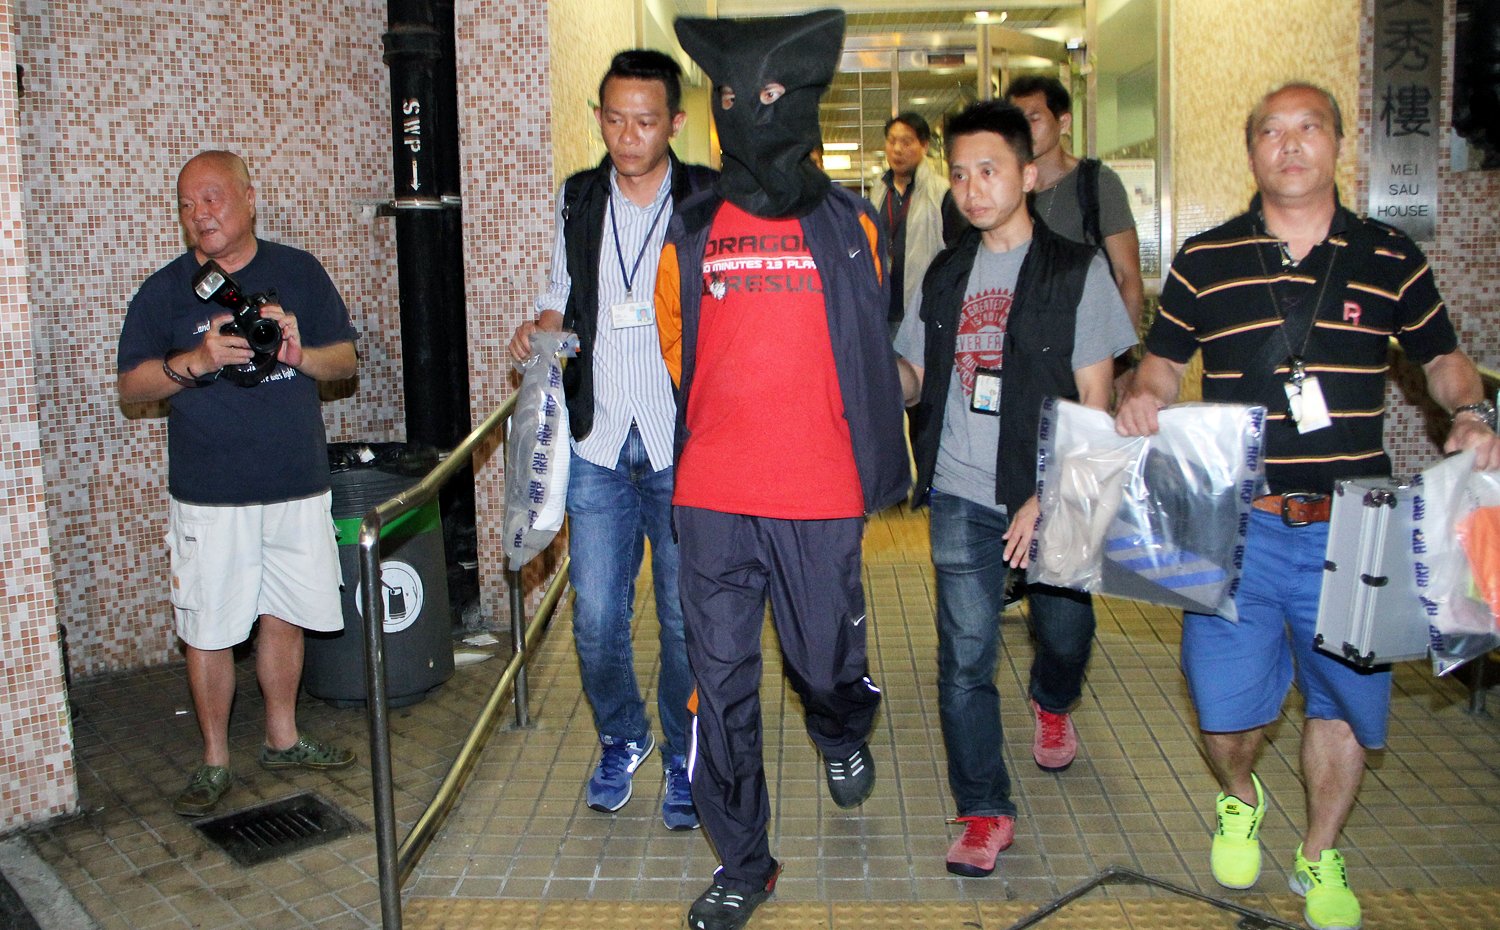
point(1369, 612)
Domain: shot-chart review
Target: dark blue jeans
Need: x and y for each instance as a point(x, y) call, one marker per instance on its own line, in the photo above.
point(611, 512)
point(968, 556)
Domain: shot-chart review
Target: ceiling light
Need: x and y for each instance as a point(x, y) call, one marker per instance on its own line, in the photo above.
point(837, 163)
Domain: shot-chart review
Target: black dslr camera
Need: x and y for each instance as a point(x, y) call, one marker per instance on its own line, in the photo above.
point(213, 283)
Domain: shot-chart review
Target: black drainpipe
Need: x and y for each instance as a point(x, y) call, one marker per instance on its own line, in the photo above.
point(419, 49)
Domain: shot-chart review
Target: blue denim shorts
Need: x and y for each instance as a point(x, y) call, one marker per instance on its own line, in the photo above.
point(1239, 673)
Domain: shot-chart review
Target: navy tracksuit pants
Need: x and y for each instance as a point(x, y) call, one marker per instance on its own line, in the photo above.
point(810, 572)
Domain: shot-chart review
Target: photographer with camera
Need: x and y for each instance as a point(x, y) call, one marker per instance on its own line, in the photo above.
point(250, 530)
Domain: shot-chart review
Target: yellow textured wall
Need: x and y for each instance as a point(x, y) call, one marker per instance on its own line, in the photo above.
point(1224, 55)
point(584, 35)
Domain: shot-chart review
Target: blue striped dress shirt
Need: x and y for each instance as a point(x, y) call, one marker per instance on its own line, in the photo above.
point(631, 384)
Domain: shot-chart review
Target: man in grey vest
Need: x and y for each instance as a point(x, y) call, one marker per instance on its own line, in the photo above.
point(1010, 314)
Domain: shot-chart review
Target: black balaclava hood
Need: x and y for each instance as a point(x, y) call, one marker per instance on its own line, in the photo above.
point(766, 170)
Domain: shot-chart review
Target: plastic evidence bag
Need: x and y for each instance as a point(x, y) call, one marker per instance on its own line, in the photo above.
point(1159, 518)
point(1454, 569)
point(537, 450)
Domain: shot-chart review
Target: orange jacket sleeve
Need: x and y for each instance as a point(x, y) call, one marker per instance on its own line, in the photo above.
point(873, 235)
point(669, 311)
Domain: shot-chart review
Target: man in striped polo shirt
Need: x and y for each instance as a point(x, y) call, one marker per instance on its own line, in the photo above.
point(1293, 304)
point(611, 220)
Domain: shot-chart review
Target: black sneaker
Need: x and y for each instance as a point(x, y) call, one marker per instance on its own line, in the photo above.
point(721, 908)
point(851, 780)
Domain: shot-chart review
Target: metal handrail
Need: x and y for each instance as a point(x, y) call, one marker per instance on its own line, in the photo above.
point(395, 866)
point(432, 818)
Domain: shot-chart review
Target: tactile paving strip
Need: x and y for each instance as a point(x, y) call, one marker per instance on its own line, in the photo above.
point(1434, 909)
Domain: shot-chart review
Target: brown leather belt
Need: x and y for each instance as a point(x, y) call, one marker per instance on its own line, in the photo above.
point(1296, 508)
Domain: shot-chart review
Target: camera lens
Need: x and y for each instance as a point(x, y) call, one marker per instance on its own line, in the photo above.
point(264, 336)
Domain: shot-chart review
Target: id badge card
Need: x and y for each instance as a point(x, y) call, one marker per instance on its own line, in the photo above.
point(628, 314)
point(1305, 402)
point(986, 399)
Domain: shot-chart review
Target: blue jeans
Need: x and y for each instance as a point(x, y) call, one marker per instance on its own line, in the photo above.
point(611, 512)
point(968, 556)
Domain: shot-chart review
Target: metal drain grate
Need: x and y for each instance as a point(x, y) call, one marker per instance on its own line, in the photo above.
point(269, 831)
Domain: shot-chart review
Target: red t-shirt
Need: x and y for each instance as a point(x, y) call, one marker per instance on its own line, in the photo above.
point(765, 417)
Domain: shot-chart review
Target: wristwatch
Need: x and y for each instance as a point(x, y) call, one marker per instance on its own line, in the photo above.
point(1484, 409)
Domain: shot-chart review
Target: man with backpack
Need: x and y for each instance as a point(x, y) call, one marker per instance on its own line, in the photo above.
point(1078, 198)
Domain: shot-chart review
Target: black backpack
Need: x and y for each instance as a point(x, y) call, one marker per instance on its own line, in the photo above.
point(1088, 206)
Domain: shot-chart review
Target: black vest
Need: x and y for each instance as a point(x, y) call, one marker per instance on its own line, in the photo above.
point(585, 198)
point(1038, 353)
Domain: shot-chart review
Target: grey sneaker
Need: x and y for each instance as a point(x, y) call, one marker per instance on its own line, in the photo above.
point(208, 785)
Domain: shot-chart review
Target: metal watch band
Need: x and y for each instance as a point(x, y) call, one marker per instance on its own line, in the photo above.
point(1485, 409)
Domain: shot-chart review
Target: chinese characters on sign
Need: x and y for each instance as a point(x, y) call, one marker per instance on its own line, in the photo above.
point(1404, 136)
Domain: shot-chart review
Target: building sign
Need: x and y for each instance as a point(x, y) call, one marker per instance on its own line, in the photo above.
point(1404, 147)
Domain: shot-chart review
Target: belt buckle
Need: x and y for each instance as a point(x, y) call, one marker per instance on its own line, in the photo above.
point(1298, 497)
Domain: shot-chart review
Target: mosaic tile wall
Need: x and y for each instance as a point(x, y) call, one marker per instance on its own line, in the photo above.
point(299, 89)
point(1213, 91)
point(506, 135)
point(583, 35)
point(36, 739)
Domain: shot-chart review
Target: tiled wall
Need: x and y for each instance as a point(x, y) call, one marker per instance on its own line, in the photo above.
point(506, 135)
point(36, 741)
point(1329, 43)
point(117, 96)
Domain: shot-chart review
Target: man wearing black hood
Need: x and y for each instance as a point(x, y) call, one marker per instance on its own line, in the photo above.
point(771, 305)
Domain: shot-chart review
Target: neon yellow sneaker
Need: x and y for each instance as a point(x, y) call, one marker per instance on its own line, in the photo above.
point(1325, 884)
point(1235, 854)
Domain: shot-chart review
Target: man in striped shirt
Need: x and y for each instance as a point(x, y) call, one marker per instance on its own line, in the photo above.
point(611, 220)
point(1293, 304)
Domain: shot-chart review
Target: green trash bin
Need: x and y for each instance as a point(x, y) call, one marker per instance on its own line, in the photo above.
point(414, 582)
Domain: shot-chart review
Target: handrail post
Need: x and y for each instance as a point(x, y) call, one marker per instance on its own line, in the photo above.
point(518, 647)
point(380, 732)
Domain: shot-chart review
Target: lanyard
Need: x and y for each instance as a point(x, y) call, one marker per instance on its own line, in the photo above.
point(629, 276)
point(891, 218)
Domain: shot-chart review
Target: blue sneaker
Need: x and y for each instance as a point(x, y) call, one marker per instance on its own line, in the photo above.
point(677, 810)
point(610, 787)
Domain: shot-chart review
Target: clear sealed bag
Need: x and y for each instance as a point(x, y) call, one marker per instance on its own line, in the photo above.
point(537, 451)
point(1455, 560)
point(1160, 519)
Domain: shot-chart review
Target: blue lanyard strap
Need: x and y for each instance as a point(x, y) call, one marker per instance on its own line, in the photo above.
point(620, 256)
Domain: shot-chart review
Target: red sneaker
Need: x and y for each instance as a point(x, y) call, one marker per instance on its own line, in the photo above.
point(973, 854)
point(1055, 744)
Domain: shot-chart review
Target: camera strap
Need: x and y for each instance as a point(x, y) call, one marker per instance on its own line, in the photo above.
point(252, 372)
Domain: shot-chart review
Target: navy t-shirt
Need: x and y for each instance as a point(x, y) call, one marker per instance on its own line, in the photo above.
point(229, 444)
